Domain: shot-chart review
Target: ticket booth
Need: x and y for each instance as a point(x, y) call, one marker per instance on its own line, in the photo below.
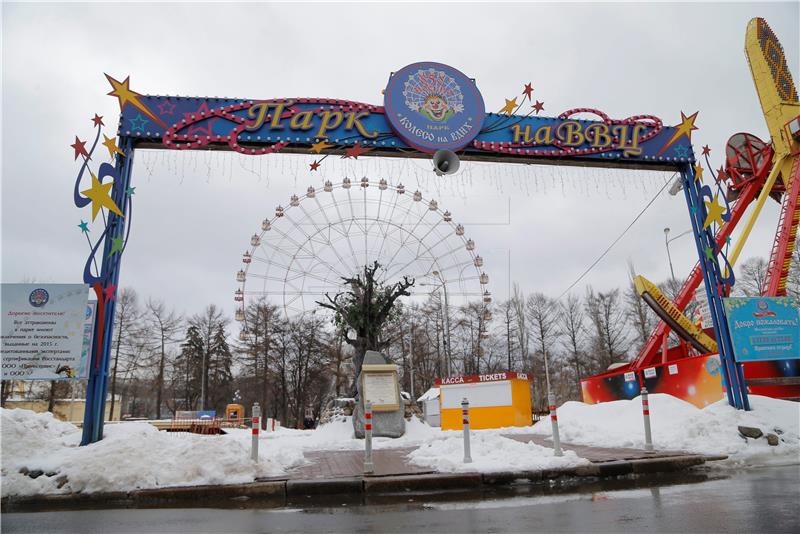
point(495, 400)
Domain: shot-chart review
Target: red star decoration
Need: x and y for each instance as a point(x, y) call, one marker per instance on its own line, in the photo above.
point(314, 166)
point(201, 130)
point(355, 151)
point(706, 150)
point(98, 120)
point(538, 106)
point(721, 173)
point(109, 291)
point(528, 90)
point(80, 148)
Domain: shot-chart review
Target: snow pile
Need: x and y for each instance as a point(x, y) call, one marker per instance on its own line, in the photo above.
point(130, 456)
point(681, 426)
point(490, 453)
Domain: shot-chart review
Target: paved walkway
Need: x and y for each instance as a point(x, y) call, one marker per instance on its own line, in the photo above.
point(350, 463)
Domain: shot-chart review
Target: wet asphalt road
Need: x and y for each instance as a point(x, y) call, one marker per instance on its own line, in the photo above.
point(758, 500)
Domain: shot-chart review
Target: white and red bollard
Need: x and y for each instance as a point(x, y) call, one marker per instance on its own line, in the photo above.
point(465, 420)
point(256, 424)
point(551, 400)
point(369, 467)
point(648, 438)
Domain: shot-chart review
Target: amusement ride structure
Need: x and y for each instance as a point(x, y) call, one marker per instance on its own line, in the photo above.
point(754, 172)
point(307, 249)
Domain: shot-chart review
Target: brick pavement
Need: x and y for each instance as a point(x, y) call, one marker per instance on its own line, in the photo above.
point(350, 463)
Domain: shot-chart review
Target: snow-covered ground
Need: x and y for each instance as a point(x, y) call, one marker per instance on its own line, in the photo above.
point(679, 425)
point(136, 455)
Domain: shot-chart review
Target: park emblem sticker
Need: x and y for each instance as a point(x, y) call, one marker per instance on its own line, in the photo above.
point(433, 107)
point(38, 297)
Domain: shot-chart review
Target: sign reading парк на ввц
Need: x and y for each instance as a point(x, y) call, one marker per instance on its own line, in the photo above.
point(427, 107)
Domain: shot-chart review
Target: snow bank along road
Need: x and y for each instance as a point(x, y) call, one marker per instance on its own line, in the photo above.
point(40, 455)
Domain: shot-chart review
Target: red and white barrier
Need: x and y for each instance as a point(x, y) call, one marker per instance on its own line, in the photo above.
point(369, 467)
point(648, 438)
point(256, 424)
point(465, 420)
point(551, 400)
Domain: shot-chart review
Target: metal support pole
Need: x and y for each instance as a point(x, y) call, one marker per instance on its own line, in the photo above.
point(256, 425)
point(411, 356)
point(551, 400)
point(465, 420)
point(369, 467)
point(648, 437)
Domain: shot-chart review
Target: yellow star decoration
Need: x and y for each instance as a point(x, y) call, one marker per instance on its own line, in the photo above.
point(698, 173)
point(319, 147)
point(125, 96)
point(111, 144)
point(686, 127)
point(715, 212)
point(100, 198)
point(510, 106)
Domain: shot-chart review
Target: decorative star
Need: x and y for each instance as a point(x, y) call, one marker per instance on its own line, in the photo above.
point(80, 148)
point(131, 191)
point(681, 151)
point(528, 90)
point(116, 245)
point(111, 144)
point(100, 198)
point(698, 173)
point(109, 291)
point(685, 128)
point(538, 106)
point(693, 209)
point(166, 108)
point(125, 96)
point(138, 122)
point(98, 120)
point(728, 240)
point(314, 166)
point(319, 147)
point(510, 106)
point(706, 150)
point(721, 173)
point(709, 253)
point(715, 212)
point(84, 226)
point(193, 116)
point(355, 151)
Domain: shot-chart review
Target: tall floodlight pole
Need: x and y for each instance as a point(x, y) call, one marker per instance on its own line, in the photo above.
point(447, 350)
point(666, 242)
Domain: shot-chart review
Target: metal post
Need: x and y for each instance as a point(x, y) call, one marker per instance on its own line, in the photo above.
point(551, 400)
point(465, 420)
point(411, 356)
point(256, 425)
point(648, 438)
point(448, 348)
point(666, 242)
point(369, 467)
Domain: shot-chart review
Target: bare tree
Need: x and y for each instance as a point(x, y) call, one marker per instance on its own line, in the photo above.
point(573, 332)
point(639, 313)
point(364, 309)
point(542, 313)
point(164, 326)
point(610, 340)
point(208, 324)
point(127, 317)
point(752, 280)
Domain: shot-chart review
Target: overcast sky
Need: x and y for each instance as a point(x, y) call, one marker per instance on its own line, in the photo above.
point(194, 212)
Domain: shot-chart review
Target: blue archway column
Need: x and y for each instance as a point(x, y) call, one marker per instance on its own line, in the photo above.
point(712, 277)
point(97, 386)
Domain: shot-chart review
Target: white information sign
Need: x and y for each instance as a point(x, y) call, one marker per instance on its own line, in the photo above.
point(650, 372)
point(380, 389)
point(43, 331)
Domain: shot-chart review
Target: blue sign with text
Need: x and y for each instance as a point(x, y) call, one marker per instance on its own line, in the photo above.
point(763, 328)
point(433, 107)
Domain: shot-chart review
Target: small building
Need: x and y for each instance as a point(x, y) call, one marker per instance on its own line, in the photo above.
point(496, 400)
point(431, 411)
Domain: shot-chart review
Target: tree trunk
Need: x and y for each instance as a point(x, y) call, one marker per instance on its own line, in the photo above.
point(160, 381)
point(51, 399)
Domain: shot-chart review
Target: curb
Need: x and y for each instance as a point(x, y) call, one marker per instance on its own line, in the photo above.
point(277, 492)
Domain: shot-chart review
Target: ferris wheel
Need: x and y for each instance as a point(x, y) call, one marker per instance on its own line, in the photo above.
point(305, 249)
